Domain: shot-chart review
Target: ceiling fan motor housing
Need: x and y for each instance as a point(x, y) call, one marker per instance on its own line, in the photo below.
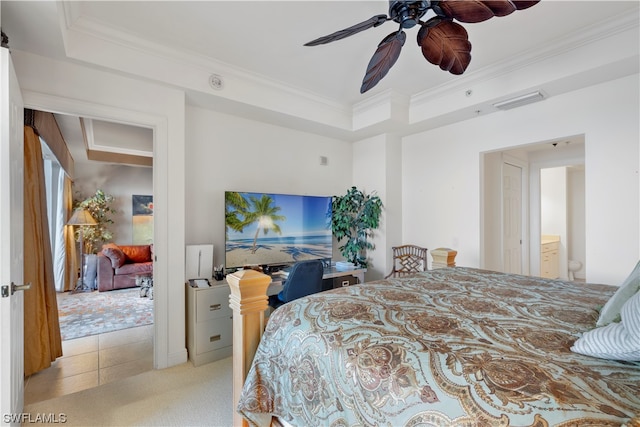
point(407, 13)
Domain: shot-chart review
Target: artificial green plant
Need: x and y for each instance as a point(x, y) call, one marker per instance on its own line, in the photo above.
point(355, 216)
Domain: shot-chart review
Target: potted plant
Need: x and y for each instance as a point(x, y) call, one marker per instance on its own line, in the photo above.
point(100, 207)
point(354, 217)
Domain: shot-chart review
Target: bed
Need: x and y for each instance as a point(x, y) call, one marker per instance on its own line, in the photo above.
point(448, 347)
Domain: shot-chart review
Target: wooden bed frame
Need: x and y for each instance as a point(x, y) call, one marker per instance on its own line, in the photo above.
point(249, 301)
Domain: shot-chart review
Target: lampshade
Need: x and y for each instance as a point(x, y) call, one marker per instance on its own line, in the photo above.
point(81, 217)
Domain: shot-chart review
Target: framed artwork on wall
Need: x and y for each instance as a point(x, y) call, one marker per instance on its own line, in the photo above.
point(142, 219)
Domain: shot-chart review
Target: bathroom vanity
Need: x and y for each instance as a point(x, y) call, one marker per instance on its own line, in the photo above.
point(549, 256)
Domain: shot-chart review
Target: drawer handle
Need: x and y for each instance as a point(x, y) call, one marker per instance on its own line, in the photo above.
point(214, 338)
point(214, 307)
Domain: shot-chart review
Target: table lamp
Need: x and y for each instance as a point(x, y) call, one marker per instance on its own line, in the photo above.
point(81, 217)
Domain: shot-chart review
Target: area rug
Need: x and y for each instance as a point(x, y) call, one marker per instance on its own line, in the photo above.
point(91, 313)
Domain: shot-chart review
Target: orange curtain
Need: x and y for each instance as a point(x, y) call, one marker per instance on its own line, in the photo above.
point(42, 340)
point(71, 260)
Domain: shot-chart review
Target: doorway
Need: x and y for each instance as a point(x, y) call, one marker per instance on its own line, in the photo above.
point(562, 214)
point(498, 226)
point(99, 358)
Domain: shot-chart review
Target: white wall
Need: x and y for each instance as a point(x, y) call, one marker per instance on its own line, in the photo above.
point(227, 152)
point(121, 182)
point(441, 188)
point(553, 202)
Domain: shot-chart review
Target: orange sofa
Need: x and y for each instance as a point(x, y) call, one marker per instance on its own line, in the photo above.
point(119, 265)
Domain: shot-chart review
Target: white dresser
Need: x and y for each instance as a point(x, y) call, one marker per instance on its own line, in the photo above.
point(209, 323)
point(550, 256)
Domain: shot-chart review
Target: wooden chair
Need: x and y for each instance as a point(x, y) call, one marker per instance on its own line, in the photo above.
point(408, 259)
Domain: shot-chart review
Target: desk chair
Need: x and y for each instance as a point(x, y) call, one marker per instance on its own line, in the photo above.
point(305, 278)
point(408, 259)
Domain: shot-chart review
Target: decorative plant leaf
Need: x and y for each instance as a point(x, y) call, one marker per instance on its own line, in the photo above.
point(354, 216)
point(383, 59)
point(374, 21)
point(100, 206)
point(446, 44)
point(479, 10)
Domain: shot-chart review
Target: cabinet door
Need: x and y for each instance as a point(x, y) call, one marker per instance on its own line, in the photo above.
point(549, 262)
point(554, 265)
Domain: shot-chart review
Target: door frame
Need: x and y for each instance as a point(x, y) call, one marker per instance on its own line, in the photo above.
point(62, 105)
point(536, 208)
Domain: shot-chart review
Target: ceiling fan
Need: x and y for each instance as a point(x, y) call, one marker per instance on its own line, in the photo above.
point(444, 42)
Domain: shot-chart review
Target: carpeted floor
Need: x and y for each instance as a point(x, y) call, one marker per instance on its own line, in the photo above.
point(92, 313)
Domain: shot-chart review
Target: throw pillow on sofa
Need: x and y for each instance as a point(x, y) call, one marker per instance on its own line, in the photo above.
point(115, 254)
point(137, 253)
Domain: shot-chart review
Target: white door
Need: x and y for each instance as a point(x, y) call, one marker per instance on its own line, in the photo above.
point(11, 243)
point(512, 218)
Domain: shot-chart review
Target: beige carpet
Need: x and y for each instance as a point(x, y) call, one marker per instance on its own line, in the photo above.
point(178, 396)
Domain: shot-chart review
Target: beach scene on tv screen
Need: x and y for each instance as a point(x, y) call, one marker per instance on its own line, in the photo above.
point(267, 229)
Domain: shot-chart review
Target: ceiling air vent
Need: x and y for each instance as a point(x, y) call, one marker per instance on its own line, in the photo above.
point(519, 101)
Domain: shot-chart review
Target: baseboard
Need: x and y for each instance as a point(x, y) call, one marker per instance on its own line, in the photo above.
point(177, 358)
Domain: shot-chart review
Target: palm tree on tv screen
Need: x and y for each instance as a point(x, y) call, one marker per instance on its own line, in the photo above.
point(235, 205)
point(265, 215)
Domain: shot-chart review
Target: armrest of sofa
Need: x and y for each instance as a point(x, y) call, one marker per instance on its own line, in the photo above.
point(105, 273)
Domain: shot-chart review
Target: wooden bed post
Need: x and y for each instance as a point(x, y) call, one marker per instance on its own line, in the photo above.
point(248, 300)
point(443, 257)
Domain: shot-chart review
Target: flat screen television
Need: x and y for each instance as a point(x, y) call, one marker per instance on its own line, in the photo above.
point(268, 229)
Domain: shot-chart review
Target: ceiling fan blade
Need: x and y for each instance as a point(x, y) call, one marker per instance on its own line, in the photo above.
point(383, 59)
point(446, 44)
point(481, 10)
point(374, 21)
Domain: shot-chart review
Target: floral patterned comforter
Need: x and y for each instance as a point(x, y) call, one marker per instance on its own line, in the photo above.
point(448, 347)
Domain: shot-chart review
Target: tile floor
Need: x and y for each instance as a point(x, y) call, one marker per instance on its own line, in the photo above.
point(91, 361)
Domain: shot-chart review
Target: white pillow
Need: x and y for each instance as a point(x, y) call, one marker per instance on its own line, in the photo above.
point(631, 317)
point(617, 341)
point(611, 309)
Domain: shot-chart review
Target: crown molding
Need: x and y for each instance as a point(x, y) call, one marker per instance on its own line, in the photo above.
point(585, 36)
point(94, 42)
point(91, 145)
point(74, 22)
